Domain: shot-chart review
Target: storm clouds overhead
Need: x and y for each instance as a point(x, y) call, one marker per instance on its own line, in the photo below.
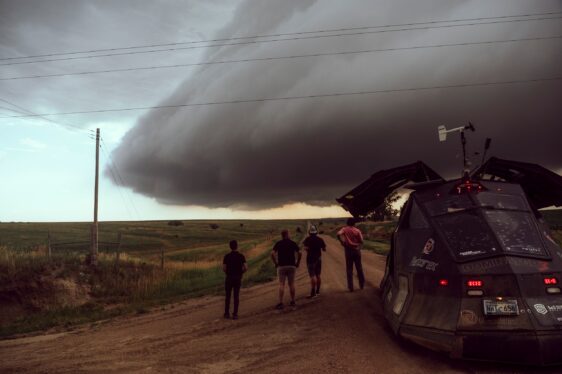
point(264, 154)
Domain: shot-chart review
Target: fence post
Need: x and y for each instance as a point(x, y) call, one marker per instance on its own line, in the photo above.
point(49, 243)
point(162, 259)
point(117, 255)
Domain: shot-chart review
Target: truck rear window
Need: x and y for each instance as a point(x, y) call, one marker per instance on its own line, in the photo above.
point(516, 232)
point(468, 234)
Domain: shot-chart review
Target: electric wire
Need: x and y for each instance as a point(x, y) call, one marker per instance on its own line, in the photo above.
point(23, 110)
point(114, 177)
point(268, 99)
point(120, 180)
point(278, 35)
point(91, 135)
point(11, 110)
point(274, 40)
point(463, 44)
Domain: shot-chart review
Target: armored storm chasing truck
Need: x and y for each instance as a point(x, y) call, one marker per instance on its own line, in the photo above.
point(473, 269)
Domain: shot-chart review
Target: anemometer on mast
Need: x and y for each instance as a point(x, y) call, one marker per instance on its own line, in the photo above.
point(442, 131)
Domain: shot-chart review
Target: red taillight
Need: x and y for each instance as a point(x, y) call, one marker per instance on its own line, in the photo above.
point(550, 281)
point(474, 283)
point(443, 282)
point(469, 186)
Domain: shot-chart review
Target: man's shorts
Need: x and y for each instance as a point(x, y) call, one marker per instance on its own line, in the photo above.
point(286, 272)
point(314, 268)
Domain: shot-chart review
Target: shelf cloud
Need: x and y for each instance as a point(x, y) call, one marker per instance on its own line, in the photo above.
point(263, 154)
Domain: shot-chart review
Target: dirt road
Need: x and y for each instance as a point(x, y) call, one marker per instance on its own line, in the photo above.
point(339, 332)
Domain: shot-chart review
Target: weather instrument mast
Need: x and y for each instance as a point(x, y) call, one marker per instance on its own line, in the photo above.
point(443, 136)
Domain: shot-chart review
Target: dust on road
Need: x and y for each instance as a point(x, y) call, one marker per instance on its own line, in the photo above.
point(339, 332)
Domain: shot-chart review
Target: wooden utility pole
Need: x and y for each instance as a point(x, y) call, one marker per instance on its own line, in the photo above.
point(94, 251)
point(49, 243)
point(118, 250)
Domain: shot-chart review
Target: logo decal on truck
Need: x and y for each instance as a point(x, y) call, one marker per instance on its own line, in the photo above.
point(428, 247)
point(540, 308)
point(424, 264)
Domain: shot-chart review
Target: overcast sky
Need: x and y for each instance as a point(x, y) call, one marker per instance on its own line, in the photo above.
point(250, 159)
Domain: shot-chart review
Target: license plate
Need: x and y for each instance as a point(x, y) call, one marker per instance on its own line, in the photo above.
point(500, 308)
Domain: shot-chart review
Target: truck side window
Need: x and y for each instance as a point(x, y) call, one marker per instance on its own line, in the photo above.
point(417, 219)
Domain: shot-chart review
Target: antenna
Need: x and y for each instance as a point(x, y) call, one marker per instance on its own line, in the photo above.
point(442, 131)
point(486, 147)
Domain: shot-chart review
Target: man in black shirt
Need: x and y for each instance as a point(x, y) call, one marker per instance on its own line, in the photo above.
point(234, 265)
point(283, 256)
point(314, 246)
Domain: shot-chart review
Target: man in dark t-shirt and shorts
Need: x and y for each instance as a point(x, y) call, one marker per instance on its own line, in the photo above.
point(314, 246)
point(286, 256)
point(234, 265)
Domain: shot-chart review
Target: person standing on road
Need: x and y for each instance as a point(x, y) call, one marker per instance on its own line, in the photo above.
point(234, 265)
point(352, 239)
point(286, 256)
point(314, 245)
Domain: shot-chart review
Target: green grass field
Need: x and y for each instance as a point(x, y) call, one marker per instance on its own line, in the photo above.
point(38, 292)
point(143, 236)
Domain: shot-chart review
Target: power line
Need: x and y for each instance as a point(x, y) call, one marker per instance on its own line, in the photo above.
point(113, 175)
point(244, 101)
point(120, 181)
point(89, 132)
point(11, 110)
point(279, 58)
point(276, 35)
point(22, 112)
point(273, 40)
point(102, 146)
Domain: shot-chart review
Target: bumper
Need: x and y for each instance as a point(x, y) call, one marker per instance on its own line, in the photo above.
point(528, 348)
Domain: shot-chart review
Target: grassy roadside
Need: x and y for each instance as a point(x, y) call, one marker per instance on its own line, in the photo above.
point(134, 288)
point(137, 285)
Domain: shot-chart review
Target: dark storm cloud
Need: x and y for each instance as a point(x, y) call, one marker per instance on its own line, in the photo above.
point(265, 154)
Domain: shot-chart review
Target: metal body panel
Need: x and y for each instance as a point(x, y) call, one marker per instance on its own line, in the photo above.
point(446, 318)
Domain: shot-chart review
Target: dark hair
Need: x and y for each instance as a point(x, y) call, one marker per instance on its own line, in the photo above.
point(233, 244)
point(351, 221)
point(285, 233)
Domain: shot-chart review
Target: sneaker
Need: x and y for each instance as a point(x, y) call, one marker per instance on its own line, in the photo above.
point(279, 306)
point(235, 316)
point(227, 315)
point(311, 296)
point(293, 303)
point(318, 293)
